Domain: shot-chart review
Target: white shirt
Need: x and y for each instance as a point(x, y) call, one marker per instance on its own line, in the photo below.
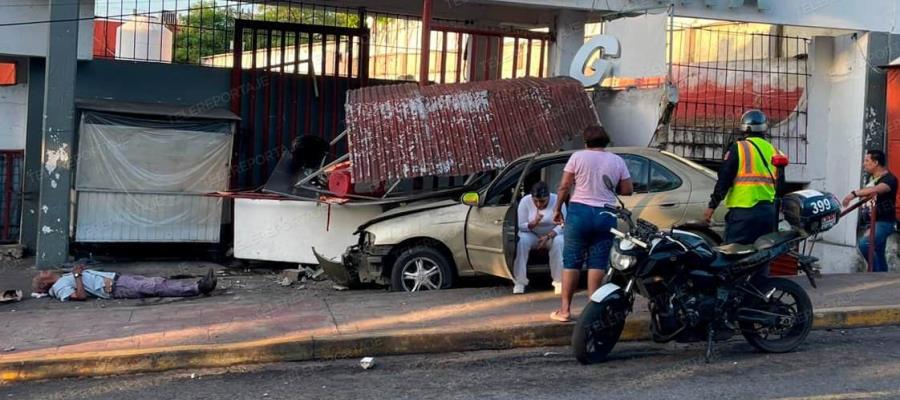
point(528, 211)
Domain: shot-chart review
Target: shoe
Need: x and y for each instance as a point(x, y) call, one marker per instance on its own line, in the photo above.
point(208, 283)
point(559, 317)
point(557, 287)
point(518, 289)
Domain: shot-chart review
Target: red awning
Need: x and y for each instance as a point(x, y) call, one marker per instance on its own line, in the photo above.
point(404, 131)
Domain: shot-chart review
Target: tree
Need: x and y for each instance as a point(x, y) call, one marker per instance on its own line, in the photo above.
point(207, 28)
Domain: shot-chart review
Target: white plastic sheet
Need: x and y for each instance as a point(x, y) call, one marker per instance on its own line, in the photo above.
point(143, 179)
point(138, 155)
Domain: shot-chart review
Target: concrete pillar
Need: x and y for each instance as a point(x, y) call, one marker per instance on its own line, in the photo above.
point(878, 53)
point(569, 37)
point(33, 139)
point(58, 135)
point(569, 31)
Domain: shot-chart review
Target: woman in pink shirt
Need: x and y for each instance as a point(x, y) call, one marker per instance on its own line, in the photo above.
point(589, 214)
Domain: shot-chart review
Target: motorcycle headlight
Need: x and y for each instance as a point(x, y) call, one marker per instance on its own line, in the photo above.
point(621, 261)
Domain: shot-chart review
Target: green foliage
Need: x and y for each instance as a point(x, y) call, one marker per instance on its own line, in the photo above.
point(207, 28)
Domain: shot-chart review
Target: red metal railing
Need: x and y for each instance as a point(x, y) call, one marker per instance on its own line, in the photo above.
point(11, 166)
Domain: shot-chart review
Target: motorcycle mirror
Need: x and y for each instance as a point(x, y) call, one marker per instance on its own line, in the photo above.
point(609, 183)
point(612, 188)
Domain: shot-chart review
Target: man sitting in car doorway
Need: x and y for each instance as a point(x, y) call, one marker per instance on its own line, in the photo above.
point(537, 231)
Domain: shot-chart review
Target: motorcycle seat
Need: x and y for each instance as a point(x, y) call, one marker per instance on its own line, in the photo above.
point(734, 249)
point(773, 239)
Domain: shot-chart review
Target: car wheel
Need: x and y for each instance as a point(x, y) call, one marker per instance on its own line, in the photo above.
point(421, 268)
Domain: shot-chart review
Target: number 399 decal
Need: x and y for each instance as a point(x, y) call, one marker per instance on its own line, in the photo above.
point(821, 206)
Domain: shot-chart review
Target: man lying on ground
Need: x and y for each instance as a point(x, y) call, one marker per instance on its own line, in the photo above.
point(82, 284)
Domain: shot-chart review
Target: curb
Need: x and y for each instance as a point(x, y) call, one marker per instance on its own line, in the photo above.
point(307, 348)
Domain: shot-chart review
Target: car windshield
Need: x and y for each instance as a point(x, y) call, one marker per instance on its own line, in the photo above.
point(699, 168)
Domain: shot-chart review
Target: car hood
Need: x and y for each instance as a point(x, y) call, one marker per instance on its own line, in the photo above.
point(408, 209)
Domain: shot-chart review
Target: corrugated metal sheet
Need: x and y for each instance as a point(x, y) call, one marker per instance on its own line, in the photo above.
point(404, 131)
point(109, 217)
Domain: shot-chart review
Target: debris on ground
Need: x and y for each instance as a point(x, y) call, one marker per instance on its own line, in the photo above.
point(289, 276)
point(38, 295)
point(367, 362)
point(340, 288)
point(9, 296)
point(314, 274)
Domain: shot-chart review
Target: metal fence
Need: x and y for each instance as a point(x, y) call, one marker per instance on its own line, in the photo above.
point(11, 165)
point(202, 32)
point(723, 71)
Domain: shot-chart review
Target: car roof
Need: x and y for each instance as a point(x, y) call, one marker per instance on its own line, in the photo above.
point(626, 150)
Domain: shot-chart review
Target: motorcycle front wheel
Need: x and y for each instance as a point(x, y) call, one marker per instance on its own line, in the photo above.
point(790, 299)
point(596, 333)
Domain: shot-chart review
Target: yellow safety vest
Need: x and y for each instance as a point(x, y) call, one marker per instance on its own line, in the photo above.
point(754, 182)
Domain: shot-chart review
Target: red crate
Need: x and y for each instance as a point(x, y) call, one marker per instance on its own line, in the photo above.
point(786, 265)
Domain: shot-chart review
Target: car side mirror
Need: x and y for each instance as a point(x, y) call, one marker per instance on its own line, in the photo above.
point(471, 199)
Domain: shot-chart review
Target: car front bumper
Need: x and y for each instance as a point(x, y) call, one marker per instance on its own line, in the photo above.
point(358, 265)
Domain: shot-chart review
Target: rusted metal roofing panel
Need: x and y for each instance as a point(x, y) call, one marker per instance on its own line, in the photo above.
point(406, 131)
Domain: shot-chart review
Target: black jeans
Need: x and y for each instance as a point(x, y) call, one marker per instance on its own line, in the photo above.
point(745, 225)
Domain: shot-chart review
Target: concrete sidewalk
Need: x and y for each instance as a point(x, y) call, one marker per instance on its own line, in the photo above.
point(47, 339)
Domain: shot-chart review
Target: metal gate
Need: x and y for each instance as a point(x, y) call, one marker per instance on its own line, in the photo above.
point(290, 80)
point(485, 54)
point(11, 166)
point(722, 72)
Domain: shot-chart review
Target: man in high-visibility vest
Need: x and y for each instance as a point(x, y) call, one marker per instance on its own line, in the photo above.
point(747, 182)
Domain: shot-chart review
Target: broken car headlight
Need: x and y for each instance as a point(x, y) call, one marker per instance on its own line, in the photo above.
point(366, 239)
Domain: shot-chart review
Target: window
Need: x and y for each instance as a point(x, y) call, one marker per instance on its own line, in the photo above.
point(501, 192)
point(661, 179)
point(639, 169)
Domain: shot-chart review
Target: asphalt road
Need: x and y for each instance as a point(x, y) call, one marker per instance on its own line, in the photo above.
point(853, 364)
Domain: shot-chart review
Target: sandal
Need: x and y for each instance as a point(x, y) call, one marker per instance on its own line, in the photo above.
point(556, 316)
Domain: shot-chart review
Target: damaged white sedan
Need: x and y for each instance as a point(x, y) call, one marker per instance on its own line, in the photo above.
point(427, 245)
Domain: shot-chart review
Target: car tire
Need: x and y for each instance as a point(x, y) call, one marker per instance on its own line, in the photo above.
point(421, 268)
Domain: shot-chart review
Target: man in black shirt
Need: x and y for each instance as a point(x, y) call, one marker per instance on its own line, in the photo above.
point(880, 193)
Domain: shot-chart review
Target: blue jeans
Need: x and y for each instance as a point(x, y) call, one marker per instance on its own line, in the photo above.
point(882, 231)
point(587, 236)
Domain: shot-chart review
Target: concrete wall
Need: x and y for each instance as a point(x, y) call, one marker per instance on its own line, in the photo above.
point(642, 42)
point(836, 118)
point(114, 80)
point(31, 39)
point(629, 116)
point(175, 84)
point(13, 105)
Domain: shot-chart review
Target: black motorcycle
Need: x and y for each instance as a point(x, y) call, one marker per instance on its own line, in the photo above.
point(698, 292)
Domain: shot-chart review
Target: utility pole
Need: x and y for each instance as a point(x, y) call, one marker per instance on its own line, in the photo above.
point(58, 134)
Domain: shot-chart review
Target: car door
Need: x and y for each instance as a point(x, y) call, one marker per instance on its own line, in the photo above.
point(660, 195)
point(491, 227)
